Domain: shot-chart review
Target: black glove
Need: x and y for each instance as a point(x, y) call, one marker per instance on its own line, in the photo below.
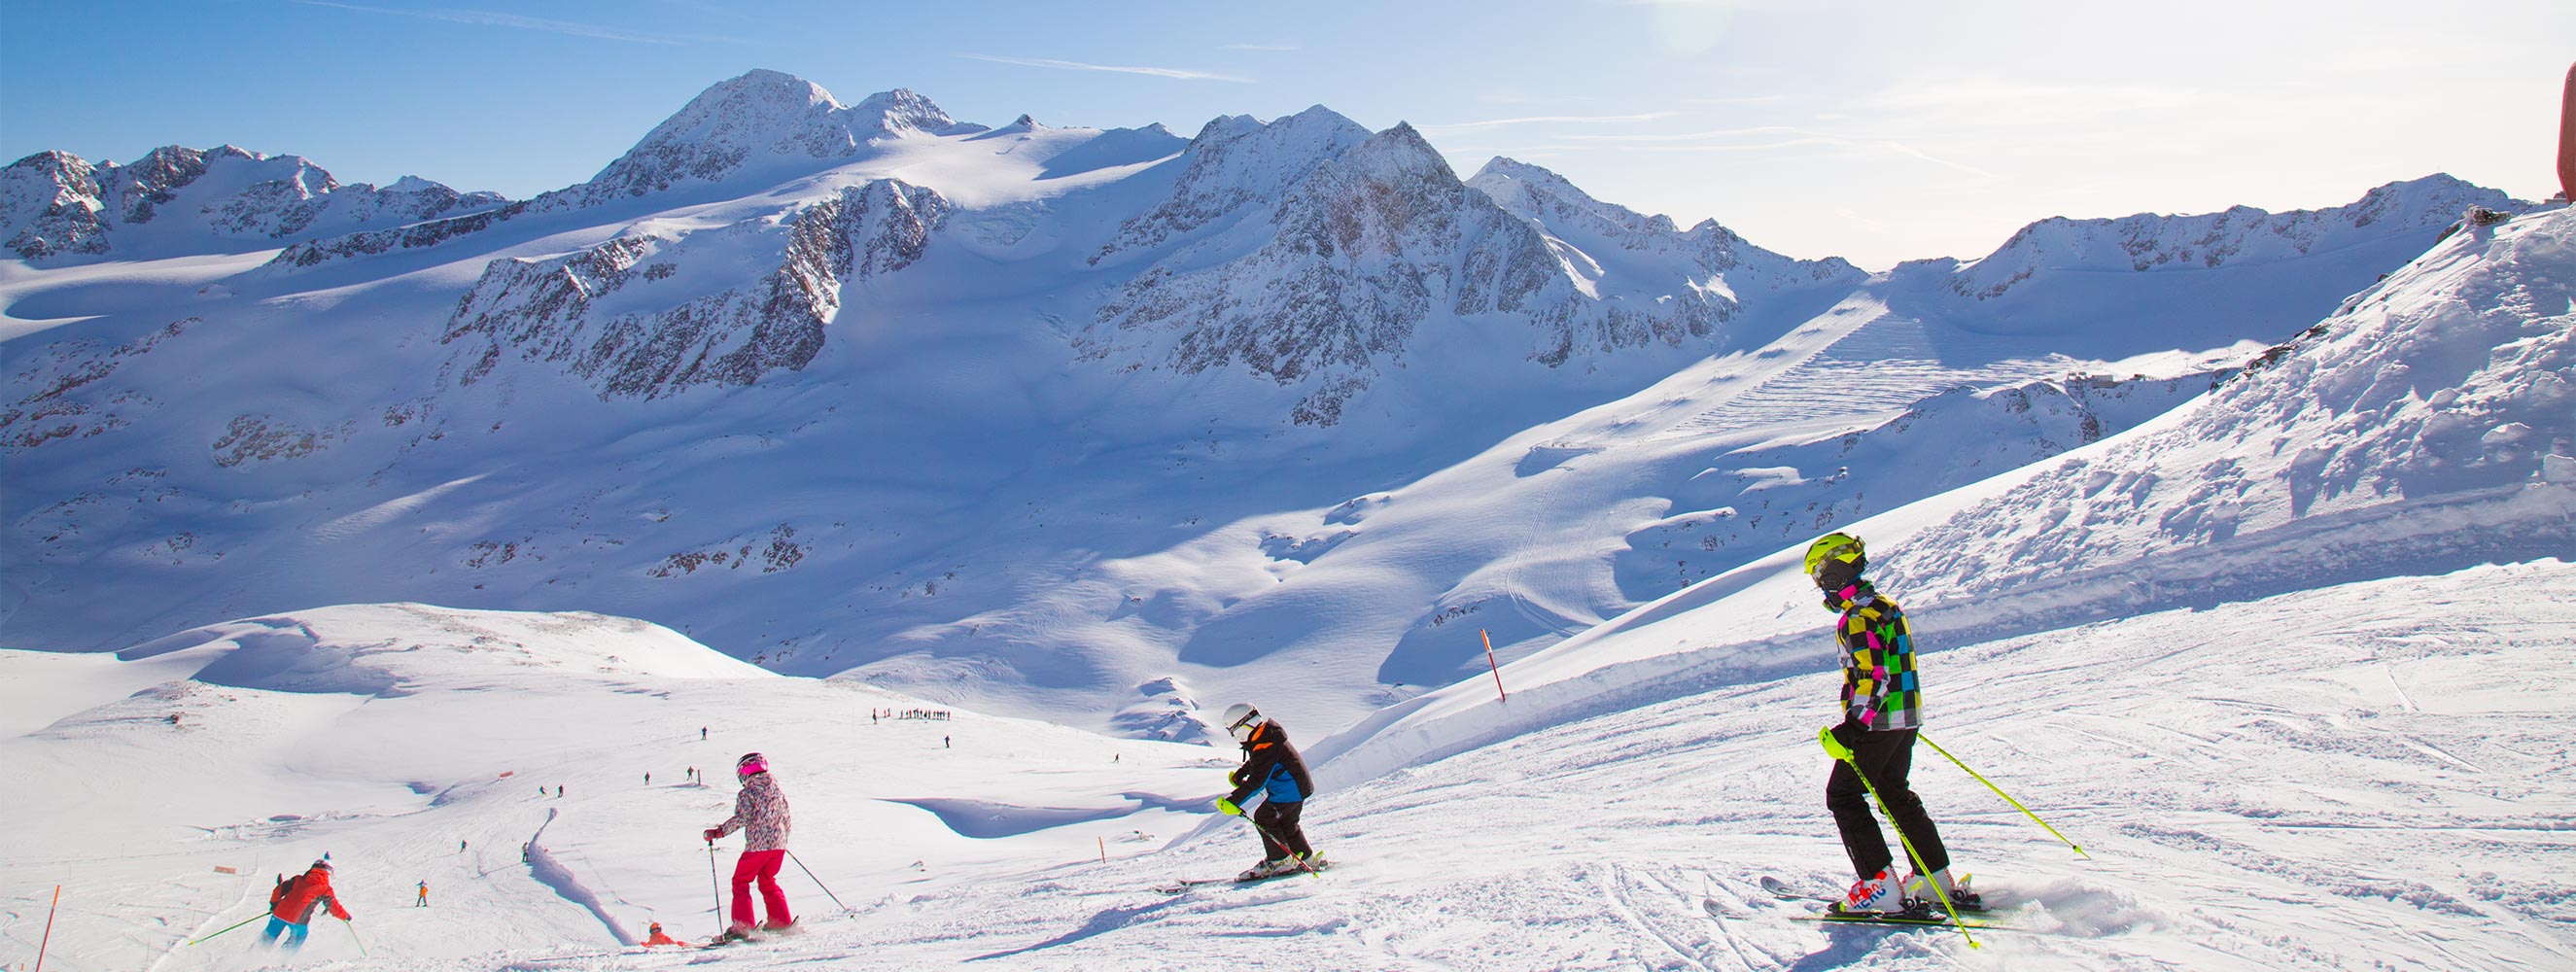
point(1848, 733)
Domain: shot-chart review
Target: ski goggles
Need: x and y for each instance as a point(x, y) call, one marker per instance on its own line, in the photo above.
point(1242, 728)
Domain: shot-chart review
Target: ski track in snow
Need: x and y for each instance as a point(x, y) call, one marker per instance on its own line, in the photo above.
point(550, 872)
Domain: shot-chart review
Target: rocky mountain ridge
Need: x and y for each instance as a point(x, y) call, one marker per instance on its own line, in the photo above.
point(546, 311)
point(56, 206)
point(1376, 238)
point(2149, 243)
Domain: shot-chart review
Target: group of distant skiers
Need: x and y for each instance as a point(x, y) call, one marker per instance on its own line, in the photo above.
point(1872, 745)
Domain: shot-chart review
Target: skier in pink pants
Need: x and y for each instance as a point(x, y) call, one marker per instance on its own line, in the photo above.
point(760, 812)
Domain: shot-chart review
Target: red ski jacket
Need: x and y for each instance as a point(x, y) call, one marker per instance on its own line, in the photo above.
point(309, 890)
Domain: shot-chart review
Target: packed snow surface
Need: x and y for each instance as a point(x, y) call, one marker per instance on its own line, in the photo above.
point(2333, 778)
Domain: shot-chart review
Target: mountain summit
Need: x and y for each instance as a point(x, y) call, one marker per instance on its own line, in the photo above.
point(764, 121)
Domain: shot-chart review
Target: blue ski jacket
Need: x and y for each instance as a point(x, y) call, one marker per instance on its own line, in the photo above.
point(1272, 766)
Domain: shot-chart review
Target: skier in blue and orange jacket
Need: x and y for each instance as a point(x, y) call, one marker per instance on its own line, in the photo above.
point(1272, 766)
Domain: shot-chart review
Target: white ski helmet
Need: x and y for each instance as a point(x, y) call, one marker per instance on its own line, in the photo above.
point(1241, 719)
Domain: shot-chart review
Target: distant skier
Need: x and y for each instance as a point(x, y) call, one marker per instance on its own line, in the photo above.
point(702, 733)
point(648, 778)
point(291, 905)
point(1272, 766)
point(944, 743)
point(1882, 709)
point(760, 812)
point(656, 937)
point(424, 895)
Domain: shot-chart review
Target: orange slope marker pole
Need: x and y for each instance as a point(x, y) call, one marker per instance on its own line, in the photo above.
point(1489, 662)
point(49, 928)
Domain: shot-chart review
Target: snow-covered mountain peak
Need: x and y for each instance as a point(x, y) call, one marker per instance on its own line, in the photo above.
point(1576, 219)
point(177, 200)
point(1535, 192)
point(902, 110)
point(1237, 160)
point(765, 121)
point(1401, 153)
point(2149, 242)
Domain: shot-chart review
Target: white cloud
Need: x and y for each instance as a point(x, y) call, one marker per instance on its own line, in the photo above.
point(1544, 119)
point(1158, 72)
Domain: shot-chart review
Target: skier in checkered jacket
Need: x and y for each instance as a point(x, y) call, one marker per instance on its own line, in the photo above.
point(1882, 707)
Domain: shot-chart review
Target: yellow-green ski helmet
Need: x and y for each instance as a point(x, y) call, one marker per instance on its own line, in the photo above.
point(1835, 548)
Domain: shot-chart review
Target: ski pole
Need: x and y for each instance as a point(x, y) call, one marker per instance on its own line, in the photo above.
point(818, 882)
point(353, 936)
point(236, 924)
point(1283, 845)
point(1844, 753)
point(1999, 791)
point(716, 888)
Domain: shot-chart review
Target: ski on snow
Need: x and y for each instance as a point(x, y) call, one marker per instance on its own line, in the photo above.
point(1185, 884)
point(1780, 889)
point(751, 938)
point(1918, 918)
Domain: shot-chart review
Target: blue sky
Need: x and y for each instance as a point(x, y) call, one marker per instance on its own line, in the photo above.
point(1875, 131)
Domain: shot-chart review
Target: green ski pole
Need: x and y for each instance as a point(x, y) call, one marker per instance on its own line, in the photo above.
point(237, 924)
point(353, 936)
point(1844, 753)
point(1999, 791)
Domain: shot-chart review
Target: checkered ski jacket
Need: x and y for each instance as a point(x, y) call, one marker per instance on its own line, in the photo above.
point(1879, 689)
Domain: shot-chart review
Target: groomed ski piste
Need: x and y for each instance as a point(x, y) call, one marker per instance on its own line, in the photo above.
point(2279, 661)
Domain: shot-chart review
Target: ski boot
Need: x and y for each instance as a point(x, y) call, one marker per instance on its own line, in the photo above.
point(1919, 892)
point(1878, 894)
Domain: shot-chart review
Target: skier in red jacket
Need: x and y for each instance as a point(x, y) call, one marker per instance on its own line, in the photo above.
point(291, 906)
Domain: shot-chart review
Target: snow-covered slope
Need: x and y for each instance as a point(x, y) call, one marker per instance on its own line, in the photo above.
point(1012, 417)
point(2377, 790)
point(2423, 430)
point(165, 785)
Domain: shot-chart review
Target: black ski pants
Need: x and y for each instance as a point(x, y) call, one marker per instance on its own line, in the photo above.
point(1279, 831)
point(1886, 757)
